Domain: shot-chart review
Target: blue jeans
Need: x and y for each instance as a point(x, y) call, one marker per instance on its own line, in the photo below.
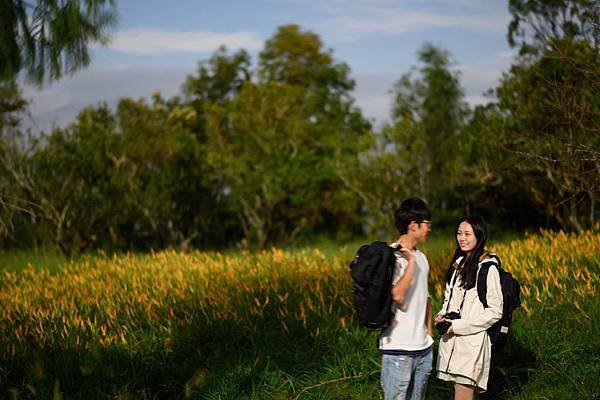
point(405, 377)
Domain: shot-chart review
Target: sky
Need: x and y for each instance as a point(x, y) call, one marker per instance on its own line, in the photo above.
point(156, 44)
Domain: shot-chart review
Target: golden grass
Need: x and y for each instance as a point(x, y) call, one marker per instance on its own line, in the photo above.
point(129, 300)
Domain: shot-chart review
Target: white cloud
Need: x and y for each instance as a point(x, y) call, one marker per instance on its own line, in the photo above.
point(392, 17)
point(59, 104)
point(398, 22)
point(161, 41)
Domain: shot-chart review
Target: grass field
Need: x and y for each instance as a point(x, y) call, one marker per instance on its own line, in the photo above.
point(270, 325)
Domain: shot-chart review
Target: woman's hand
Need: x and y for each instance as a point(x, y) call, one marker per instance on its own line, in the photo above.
point(450, 330)
point(439, 318)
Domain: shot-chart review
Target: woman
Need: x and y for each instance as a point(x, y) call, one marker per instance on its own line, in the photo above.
point(465, 348)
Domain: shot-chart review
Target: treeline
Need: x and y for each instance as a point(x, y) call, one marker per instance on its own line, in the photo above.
point(267, 154)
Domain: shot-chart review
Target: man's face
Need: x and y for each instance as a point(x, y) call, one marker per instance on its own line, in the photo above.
point(421, 230)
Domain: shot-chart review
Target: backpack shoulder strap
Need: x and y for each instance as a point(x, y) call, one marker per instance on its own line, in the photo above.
point(482, 278)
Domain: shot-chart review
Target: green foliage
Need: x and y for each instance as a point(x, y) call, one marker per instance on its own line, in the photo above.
point(12, 107)
point(297, 58)
point(266, 142)
point(550, 128)
point(274, 324)
point(218, 80)
point(534, 153)
point(46, 259)
point(272, 154)
point(536, 24)
point(114, 181)
point(421, 152)
point(266, 150)
point(50, 38)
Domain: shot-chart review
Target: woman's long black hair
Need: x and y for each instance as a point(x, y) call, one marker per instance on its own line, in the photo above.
point(468, 272)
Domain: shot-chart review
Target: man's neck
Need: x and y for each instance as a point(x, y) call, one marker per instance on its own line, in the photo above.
point(407, 241)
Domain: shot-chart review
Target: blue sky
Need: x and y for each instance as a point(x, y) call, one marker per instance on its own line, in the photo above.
point(156, 44)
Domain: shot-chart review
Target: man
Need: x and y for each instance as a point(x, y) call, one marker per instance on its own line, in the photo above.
point(406, 345)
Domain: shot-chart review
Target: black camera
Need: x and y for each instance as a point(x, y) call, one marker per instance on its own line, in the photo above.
point(443, 326)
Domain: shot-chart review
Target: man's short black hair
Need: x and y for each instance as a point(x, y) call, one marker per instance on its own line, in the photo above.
point(413, 209)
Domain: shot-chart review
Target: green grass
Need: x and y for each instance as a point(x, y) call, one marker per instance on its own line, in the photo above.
point(16, 260)
point(273, 325)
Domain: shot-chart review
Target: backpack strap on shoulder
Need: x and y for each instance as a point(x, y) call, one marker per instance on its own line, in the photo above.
point(482, 278)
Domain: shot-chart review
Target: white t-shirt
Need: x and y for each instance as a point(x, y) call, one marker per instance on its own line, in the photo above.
point(408, 330)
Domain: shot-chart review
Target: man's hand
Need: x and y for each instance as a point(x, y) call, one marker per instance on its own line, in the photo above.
point(403, 285)
point(409, 254)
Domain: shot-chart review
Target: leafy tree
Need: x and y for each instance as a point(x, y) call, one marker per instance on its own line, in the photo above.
point(536, 24)
point(545, 123)
point(420, 152)
point(282, 145)
point(175, 195)
point(218, 80)
point(280, 174)
point(107, 180)
point(12, 107)
point(257, 143)
point(552, 130)
point(13, 145)
point(296, 57)
point(51, 37)
point(46, 39)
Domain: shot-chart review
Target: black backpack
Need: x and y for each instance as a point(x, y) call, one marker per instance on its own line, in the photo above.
point(372, 271)
point(511, 298)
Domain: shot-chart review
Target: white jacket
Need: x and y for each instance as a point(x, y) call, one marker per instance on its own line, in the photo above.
point(468, 350)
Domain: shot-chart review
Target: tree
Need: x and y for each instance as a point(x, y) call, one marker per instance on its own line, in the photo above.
point(536, 24)
point(46, 39)
point(419, 152)
point(109, 180)
point(12, 107)
point(218, 80)
point(12, 147)
point(552, 130)
point(548, 104)
point(51, 37)
point(257, 142)
point(283, 145)
point(297, 57)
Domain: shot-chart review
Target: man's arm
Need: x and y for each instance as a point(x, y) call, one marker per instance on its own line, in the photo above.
point(401, 287)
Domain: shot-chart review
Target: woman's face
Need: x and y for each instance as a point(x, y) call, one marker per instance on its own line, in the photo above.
point(466, 237)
